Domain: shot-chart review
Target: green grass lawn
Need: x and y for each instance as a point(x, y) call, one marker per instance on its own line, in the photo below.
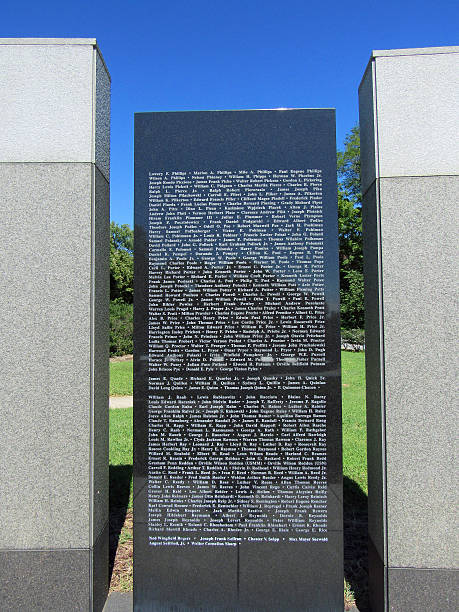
point(121, 377)
point(354, 428)
point(354, 419)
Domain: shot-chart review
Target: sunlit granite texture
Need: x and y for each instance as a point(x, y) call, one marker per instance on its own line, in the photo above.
point(410, 160)
point(54, 293)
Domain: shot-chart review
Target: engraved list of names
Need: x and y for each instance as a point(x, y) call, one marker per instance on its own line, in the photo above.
point(236, 288)
point(237, 427)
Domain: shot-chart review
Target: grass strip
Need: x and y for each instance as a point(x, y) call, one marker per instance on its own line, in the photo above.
point(121, 377)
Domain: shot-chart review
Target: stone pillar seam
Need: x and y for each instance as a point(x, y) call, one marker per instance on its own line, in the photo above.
point(381, 327)
point(392, 176)
point(91, 334)
point(381, 347)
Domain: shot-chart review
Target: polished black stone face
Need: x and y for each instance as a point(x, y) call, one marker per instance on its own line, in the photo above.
point(237, 407)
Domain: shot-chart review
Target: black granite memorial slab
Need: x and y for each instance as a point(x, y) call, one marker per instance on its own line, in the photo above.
point(237, 405)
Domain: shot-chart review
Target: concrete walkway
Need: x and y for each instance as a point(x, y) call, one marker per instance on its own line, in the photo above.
point(123, 602)
point(119, 602)
point(121, 401)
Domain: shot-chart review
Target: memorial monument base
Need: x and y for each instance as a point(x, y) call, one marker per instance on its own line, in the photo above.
point(237, 396)
point(410, 185)
point(54, 299)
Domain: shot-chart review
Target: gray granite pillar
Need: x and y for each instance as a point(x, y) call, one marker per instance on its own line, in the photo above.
point(54, 292)
point(409, 104)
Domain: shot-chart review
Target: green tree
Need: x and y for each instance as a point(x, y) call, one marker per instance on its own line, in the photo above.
point(121, 328)
point(121, 262)
point(350, 232)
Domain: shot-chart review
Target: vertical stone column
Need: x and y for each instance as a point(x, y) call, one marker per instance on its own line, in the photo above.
point(409, 102)
point(54, 292)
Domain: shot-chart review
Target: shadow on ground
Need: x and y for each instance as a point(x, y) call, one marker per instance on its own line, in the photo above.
point(356, 541)
point(120, 485)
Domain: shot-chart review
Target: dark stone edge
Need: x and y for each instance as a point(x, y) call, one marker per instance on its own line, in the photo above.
point(376, 579)
point(51, 580)
point(100, 577)
point(422, 589)
point(57, 579)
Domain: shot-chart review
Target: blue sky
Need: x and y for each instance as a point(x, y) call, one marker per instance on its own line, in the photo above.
point(232, 54)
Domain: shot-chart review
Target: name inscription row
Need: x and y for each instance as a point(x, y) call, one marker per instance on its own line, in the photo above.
point(239, 465)
point(236, 270)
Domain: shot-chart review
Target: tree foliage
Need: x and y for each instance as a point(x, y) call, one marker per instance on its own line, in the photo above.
point(349, 167)
point(121, 328)
point(121, 262)
point(350, 232)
